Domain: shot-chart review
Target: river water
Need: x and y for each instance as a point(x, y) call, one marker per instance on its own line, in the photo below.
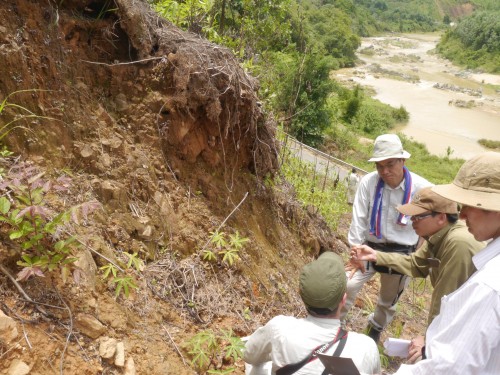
point(438, 117)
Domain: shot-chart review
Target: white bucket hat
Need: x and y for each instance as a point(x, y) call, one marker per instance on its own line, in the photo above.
point(477, 183)
point(388, 146)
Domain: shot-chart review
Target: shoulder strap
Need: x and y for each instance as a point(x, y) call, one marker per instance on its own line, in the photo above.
point(292, 368)
point(338, 350)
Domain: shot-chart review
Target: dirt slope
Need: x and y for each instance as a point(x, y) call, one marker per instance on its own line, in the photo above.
point(165, 131)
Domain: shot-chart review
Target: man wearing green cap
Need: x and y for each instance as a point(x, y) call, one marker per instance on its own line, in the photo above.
point(289, 342)
point(465, 337)
point(446, 255)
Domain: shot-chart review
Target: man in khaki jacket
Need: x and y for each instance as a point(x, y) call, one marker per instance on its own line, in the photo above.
point(446, 255)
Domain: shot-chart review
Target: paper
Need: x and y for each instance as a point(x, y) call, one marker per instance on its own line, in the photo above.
point(397, 347)
point(338, 365)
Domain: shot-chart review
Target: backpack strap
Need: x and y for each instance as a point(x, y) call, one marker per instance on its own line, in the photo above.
point(292, 368)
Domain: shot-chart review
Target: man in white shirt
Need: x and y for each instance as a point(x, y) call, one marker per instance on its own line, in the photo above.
point(286, 340)
point(465, 337)
point(377, 223)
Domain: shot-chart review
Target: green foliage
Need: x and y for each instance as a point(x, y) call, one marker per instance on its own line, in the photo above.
point(299, 85)
point(318, 189)
point(36, 227)
point(488, 143)
point(403, 15)
point(474, 42)
point(123, 283)
point(224, 249)
point(374, 118)
point(20, 113)
point(246, 26)
point(134, 262)
point(328, 27)
point(109, 270)
point(211, 351)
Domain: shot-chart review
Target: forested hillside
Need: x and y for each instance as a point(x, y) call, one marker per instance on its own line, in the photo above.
point(475, 41)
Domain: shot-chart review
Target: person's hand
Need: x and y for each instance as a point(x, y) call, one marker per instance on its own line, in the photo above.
point(354, 263)
point(353, 266)
point(415, 351)
point(364, 252)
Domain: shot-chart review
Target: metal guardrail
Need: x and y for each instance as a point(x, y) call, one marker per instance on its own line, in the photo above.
point(325, 155)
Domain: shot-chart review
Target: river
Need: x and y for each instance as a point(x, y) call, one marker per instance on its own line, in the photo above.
point(402, 72)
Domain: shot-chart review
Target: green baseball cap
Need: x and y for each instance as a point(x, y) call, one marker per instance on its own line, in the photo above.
point(322, 283)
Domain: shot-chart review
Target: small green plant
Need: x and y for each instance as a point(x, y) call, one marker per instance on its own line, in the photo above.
point(223, 248)
point(36, 227)
point(384, 359)
point(109, 269)
point(211, 352)
point(135, 262)
point(126, 282)
point(368, 305)
point(247, 315)
point(397, 328)
point(5, 152)
point(209, 255)
point(23, 113)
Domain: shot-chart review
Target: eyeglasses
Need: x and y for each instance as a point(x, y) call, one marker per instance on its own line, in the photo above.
point(389, 165)
point(422, 216)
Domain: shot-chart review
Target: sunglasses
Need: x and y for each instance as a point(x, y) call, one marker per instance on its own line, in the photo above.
point(422, 216)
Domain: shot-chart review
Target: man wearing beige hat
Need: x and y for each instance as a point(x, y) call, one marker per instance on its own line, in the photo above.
point(446, 256)
point(292, 344)
point(377, 223)
point(465, 337)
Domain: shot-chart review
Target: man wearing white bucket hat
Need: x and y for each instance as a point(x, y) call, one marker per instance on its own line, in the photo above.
point(465, 337)
point(377, 223)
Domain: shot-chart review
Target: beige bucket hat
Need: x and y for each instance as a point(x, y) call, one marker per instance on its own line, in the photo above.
point(388, 146)
point(426, 200)
point(477, 183)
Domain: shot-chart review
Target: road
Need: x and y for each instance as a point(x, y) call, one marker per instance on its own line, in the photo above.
point(323, 162)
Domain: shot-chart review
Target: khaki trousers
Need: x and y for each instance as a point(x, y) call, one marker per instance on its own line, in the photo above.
point(391, 287)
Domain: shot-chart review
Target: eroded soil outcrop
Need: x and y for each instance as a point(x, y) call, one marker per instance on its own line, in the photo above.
point(164, 130)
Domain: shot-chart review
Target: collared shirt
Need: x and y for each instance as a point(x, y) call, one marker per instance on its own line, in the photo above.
point(452, 247)
point(285, 340)
point(465, 337)
point(392, 232)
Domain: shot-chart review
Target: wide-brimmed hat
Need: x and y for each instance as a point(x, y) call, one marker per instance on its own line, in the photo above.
point(388, 146)
point(426, 200)
point(323, 282)
point(477, 183)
